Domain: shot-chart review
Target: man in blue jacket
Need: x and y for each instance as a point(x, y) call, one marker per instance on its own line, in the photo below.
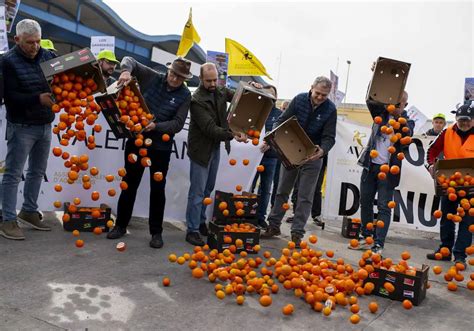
point(168, 99)
point(28, 103)
point(317, 115)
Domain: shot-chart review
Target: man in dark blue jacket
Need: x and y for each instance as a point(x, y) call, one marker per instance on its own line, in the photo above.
point(168, 99)
point(389, 152)
point(28, 103)
point(317, 115)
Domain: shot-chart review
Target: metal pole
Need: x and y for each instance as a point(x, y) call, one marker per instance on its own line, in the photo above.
point(347, 80)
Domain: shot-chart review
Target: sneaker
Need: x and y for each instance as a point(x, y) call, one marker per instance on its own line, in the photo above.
point(194, 239)
point(262, 225)
point(33, 219)
point(460, 260)
point(203, 230)
point(270, 232)
point(432, 256)
point(117, 232)
point(156, 241)
point(377, 249)
point(363, 246)
point(290, 219)
point(11, 230)
point(296, 238)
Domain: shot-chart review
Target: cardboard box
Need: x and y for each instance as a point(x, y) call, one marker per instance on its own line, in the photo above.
point(412, 288)
point(83, 221)
point(249, 108)
point(112, 113)
point(388, 81)
point(350, 229)
point(291, 143)
point(81, 62)
point(448, 168)
point(217, 235)
point(249, 200)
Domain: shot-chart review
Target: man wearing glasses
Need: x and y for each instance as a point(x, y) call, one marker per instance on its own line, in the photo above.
point(168, 99)
point(107, 63)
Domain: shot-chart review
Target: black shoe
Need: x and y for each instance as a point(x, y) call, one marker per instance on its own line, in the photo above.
point(156, 241)
point(290, 219)
point(432, 256)
point(262, 224)
point(203, 230)
point(194, 239)
point(117, 232)
point(296, 239)
point(270, 232)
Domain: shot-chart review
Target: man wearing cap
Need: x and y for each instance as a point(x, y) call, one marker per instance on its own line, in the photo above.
point(438, 122)
point(455, 142)
point(168, 99)
point(207, 129)
point(48, 44)
point(107, 63)
point(28, 103)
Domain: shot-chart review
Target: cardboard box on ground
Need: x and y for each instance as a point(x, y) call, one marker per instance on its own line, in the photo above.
point(83, 221)
point(388, 81)
point(448, 168)
point(249, 109)
point(112, 113)
point(82, 63)
point(291, 143)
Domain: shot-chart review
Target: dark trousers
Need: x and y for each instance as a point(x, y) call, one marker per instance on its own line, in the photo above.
point(276, 178)
point(265, 186)
point(159, 162)
point(318, 195)
point(370, 185)
point(448, 229)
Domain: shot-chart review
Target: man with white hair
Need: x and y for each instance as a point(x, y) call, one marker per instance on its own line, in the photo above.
point(28, 103)
point(317, 115)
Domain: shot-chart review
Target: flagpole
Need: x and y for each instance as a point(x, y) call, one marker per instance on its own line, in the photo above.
point(347, 79)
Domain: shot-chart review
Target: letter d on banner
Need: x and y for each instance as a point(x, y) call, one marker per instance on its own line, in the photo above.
point(343, 210)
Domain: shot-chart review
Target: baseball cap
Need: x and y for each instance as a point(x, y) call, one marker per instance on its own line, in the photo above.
point(465, 112)
point(107, 55)
point(439, 115)
point(47, 44)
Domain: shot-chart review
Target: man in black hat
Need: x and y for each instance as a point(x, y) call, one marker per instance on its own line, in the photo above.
point(168, 99)
point(455, 142)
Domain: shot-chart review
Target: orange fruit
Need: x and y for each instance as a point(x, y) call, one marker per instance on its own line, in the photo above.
point(220, 294)
point(110, 223)
point(389, 287)
point(172, 258)
point(166, 281)
point(207, 201)
point(79, 243)
point(354, 319)
point(354, 243)
point(58, 188)
point(223, 205)
point(394, 170)
point(72, 209)
point(384, 168)
point(400, 156)
point(265, 300)
point(327, 311)
point(381, 175)
point(374, 153)
point(95, 196)
point(158, 176)
point(391, 204)
point(260, 168)
point(97, 230)
point(121, 246)
point(405, 255)
point(95, 213)
point(123, 185)
point(438, 213)
point(380, 224)
point(57, 151)
point(444, 251)
point(232, 162)
point(94, 171)
point(57, 204)
point(145, 162)
point(407, 304)
point(329, 253)
point(285, 206)
point(354, 308)
point(122, 172)
point(240, 299)
point(238, 188)
point(313, 239)
point(391, 149)
point(165, 137)
point(109, 178)
point(197, 273)
point(255, 141)
point(76, 233)
point(245, 162)
point(288, 309)
point(373, 307)
point(437, 269)
point(377, 119)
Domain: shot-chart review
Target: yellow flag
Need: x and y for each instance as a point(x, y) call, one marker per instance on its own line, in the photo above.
point(242, 62)
point(189, 37)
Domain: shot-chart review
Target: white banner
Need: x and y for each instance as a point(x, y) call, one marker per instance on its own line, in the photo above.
point(414, 196)
point(3, 30)
point(418, 117)
point(100, 43)
point(108, 157)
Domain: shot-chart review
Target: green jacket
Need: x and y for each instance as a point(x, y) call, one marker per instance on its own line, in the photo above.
point(208, 126)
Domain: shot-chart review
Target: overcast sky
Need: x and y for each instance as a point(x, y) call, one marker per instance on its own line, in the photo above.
point(298, 41)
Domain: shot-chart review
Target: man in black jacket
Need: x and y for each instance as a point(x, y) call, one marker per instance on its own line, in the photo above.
point(168, 99)
point(207, 129)
point(28, 103)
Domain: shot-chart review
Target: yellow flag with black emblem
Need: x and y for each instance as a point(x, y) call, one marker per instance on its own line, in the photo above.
point(189, 37)
point(242, 62)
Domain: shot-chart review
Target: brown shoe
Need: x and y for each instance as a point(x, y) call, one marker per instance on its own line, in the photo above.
point(270, 232)
point(33, 219)
point(11, 230)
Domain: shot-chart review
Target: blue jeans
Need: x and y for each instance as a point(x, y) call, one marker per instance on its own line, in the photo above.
point(369, 186)
point(24, 141)
point(203, 180)
point(265, 187)
point(448, 230)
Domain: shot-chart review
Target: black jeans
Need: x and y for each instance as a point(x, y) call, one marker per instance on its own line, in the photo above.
point(448, 229)
point(159, 162)
point(318, 195)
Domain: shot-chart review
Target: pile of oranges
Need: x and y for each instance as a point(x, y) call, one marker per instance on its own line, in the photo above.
point(455, 273)
point(311, 274)
point(242, 227)
point(133, 113)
